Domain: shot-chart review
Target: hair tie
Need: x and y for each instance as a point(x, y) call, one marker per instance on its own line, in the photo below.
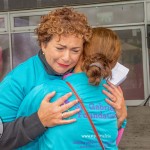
point(97, 64)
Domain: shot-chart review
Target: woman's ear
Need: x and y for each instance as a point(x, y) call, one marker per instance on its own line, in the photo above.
point(43, 46)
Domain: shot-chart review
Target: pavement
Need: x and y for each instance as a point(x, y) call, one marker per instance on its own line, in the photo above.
point(137, 132)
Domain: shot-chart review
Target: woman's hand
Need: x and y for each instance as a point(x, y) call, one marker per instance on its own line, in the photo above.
point(117, 101)
point(52, 114)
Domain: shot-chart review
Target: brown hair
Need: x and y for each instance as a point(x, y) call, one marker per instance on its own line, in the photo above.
point(63, 21)
point(104, 48)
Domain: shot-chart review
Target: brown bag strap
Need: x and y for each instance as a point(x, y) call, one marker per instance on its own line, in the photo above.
point(87, 114)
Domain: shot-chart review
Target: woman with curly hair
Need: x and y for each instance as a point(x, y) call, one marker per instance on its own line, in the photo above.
point(99, 57)
point(61, 35)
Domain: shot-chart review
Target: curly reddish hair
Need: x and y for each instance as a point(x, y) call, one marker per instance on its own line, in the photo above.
point(61, 22)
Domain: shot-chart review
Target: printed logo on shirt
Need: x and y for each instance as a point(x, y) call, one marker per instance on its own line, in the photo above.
point(1, 128)
point(97, 111)
point(91, 141)
point(93, 136)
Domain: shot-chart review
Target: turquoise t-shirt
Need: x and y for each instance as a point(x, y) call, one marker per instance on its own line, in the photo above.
point(78, 135)
point(18, 83)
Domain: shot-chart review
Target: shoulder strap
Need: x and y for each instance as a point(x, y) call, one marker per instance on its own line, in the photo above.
point(87, 114)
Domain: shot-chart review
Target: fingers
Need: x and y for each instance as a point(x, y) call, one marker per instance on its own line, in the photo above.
point(49, 96)
point(109, 95)
point(111, 103)
point(63, 116)
point(119, 88)
point(110, 84)
point(114, 94)
point(116, 100)
point(52, 114)
point(67, 121)
point(70, 113)
point(68, 105)
point(61, 100)
point(113, 89)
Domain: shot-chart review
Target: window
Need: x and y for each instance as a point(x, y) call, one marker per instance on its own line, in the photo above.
point(4, 55)
point(114, 14)
point(132, 57)
point(24, 45)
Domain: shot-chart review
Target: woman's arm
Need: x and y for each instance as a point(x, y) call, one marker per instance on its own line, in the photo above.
point(21, 131)
point(117, 101)
point(18, 132)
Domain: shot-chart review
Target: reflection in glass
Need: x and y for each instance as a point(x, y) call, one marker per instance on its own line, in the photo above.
point(148, 12)
point(4, 55)
point(133, 86)
point(148, 44)
point(24, 45)
point(115, 14)
point(2, 23)
point(26, 21)
point(149, 60)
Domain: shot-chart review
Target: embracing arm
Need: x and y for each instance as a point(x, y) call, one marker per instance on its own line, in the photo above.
point(17, 132)
point(25, 129)
point(117, 101)
point(21, 131)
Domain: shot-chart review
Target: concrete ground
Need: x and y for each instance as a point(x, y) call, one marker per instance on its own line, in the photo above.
point(137, 132)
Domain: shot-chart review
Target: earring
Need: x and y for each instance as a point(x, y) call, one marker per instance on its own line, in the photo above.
point(43, 53)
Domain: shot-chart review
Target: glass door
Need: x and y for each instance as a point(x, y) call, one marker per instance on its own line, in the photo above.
point(134, 57)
